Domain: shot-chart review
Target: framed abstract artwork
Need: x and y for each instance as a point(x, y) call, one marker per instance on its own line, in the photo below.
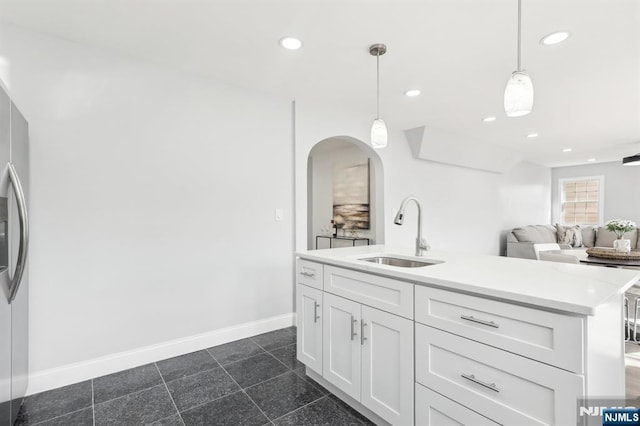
point(351, 195)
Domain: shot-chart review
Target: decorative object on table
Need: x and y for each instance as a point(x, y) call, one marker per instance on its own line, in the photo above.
point(351, 196)
point(570, 235)
point(612, 253)
point(620, 227)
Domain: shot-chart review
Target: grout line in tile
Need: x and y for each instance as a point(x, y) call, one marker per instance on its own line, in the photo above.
point(93, 405)
point(190, 375)
point(131, 393)
point(274, 357)
point(313, 383)
point(238, 360)
point(345, 407)
point(300, 408)
point(211, 355)
point(270, 379)
point(212, 400)
point(259, 345)
point(57, 417)
point(282, 347)
point(247, 395)
point(273, 349)
point(170, 396)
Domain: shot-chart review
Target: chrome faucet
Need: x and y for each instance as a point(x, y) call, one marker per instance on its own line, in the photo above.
point(421, 243)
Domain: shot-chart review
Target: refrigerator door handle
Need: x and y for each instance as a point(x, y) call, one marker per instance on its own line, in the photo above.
point(24, 233)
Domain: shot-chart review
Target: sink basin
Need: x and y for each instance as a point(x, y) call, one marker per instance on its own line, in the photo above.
point(402, 263)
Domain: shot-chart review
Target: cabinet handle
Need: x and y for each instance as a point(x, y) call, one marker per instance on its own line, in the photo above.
point(362, 326)
point(316, 317)
point(472, 378)
point(479, 321)
point(21, 203)
point(353, 323)
point(307, 274)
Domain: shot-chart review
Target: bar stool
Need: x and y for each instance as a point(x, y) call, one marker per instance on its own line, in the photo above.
point(634, 294)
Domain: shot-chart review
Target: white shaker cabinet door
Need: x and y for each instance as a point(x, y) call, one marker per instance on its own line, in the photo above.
point(341, 344)
point(387, 365)
point(309, 318)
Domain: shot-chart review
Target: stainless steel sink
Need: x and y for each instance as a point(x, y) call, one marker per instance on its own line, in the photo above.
point(402, 263)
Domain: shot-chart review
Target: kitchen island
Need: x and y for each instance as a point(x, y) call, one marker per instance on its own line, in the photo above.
point(469, 338)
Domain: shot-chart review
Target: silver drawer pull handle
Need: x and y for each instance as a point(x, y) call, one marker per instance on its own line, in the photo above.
point(308, 274)
point(316, 317)
point(362, 326)
point(472, 378)
point(479, 321)
point(353, 323)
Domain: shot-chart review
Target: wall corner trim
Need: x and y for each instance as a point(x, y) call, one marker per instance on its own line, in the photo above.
point(44, 380)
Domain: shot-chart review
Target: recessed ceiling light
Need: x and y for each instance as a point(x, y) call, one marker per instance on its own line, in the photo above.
point(413, 92)
point(532, 135)
point(591, 160)
point(489, 119)
point(567, 150)
point(554, 38)
point(290, 43)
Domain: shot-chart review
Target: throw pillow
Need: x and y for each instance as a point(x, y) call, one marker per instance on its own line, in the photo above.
point(589, 236)
point(569, 235)
point(535, 234)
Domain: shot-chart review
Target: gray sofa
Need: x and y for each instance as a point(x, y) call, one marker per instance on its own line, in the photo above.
point(521, 242)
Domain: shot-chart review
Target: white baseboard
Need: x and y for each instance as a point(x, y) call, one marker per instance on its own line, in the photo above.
point(40, 381)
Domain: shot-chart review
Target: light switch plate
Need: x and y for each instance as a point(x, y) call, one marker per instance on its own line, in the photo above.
point(279, 214)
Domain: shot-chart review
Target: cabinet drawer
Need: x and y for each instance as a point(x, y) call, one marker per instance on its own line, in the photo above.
point(433, 409)
point(309, 273)
point(508, 388)
point(548, 337)
point(383, 293)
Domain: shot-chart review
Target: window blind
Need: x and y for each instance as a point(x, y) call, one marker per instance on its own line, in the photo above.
point(581, 202)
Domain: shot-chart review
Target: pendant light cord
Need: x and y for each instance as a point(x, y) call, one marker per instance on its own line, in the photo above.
point(378, 84)
point(519, 33)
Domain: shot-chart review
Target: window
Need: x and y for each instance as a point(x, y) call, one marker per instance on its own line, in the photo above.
point(581, 200)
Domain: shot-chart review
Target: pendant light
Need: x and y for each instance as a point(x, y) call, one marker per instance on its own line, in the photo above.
point(378, 128)
point(518, 95)
point(633, 160)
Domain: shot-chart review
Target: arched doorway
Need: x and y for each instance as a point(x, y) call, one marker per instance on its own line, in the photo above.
point(336, 167)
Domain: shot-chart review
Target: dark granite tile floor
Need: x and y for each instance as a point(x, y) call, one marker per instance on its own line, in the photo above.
point(253, 381)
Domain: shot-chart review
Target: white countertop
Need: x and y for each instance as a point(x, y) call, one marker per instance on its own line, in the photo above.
point(577, 289)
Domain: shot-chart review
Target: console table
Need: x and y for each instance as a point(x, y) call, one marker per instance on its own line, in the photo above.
point(353, 240)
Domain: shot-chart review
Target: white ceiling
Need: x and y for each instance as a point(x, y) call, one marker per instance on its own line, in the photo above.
point(460, 53)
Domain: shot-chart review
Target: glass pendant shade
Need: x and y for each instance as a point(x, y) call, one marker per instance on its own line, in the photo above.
point(518, 95)
point(378, 133)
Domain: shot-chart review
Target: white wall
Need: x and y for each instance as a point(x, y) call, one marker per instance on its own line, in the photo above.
point(621, 188)
point(152, 202)
point(153, 197)
point(322, 165)
point(464, 210)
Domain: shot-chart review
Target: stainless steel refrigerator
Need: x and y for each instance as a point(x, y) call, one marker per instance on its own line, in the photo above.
point(14, 240)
